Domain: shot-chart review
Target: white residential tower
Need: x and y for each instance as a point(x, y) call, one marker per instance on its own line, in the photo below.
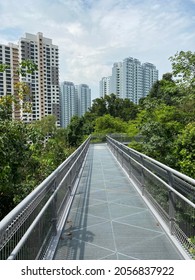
point(44, 84)
point(131, 79)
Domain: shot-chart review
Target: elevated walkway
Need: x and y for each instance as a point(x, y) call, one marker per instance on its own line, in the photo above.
point(109, 218)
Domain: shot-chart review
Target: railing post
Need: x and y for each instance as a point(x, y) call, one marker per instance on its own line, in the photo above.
point(54, 210)
point(130, 167)
point(142, 176)
point(117, 153)
point(171, 204)
point(122, 158)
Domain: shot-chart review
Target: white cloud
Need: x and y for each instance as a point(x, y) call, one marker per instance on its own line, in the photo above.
point(92, 35)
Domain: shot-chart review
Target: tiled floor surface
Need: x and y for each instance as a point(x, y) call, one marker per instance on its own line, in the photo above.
point(108, 219)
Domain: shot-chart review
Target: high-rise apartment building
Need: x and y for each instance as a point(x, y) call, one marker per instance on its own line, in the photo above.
point(68, 102)
point(150, 76)
point(9, 55)
point(44, 83)
point(84, 99)
point(105, 86)
point(116, 85)
point(75, 100)
point(131, 79)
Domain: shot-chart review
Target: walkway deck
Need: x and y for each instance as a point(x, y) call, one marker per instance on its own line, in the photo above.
point(109, 219)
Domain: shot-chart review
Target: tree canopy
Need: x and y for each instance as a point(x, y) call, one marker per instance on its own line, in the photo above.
point(183, 68)
point(115, 107)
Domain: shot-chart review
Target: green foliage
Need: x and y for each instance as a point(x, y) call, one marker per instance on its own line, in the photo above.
point(46, 126)
point(98, 138)
point(21, 99)
point(192, 249)
point(164, 91)
point(98, 107)
point(88, 123)
point(108, 124)
point(185, 150)
point(14, 157)
point(183, 64)
point(26, 67)
point(159, 126)
point(132, 128)
point(27, 157)
point(114, 106)
point(75, 133)
point(136, 145)
point(4, 67)
point(6, 107)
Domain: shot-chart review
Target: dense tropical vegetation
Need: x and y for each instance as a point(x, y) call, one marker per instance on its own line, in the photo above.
point(161, 126)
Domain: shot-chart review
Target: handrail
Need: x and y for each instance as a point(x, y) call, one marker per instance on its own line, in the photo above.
point(43, 206)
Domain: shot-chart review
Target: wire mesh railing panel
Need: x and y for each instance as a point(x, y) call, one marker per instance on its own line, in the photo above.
point(136, 174)
point(185, 221)
point(62, 194)
point(38, 238)
point(158, 195)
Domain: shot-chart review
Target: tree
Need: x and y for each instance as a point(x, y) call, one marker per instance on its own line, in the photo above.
point(6, 107)
point(159, 126)
point(108, 124)
point(88, 123)
point(98, 107)
point(164, 91)
point(27, 159)
point(15, 156)
point(25, 67)
point(115, 107)
point(46, 126)
point(21, 98)
point(128, 111)
point(185, 150)
point(183, 66)
point(75, 133)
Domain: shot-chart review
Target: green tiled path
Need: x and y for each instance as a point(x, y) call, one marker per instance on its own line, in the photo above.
point(108, 219)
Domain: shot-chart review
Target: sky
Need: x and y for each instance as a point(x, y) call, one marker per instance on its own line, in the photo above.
point(93, 34)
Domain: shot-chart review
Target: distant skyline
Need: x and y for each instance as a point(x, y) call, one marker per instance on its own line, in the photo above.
point(93, 34)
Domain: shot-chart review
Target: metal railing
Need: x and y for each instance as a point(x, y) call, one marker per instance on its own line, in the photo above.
point(170, 192)
point(27, 230)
